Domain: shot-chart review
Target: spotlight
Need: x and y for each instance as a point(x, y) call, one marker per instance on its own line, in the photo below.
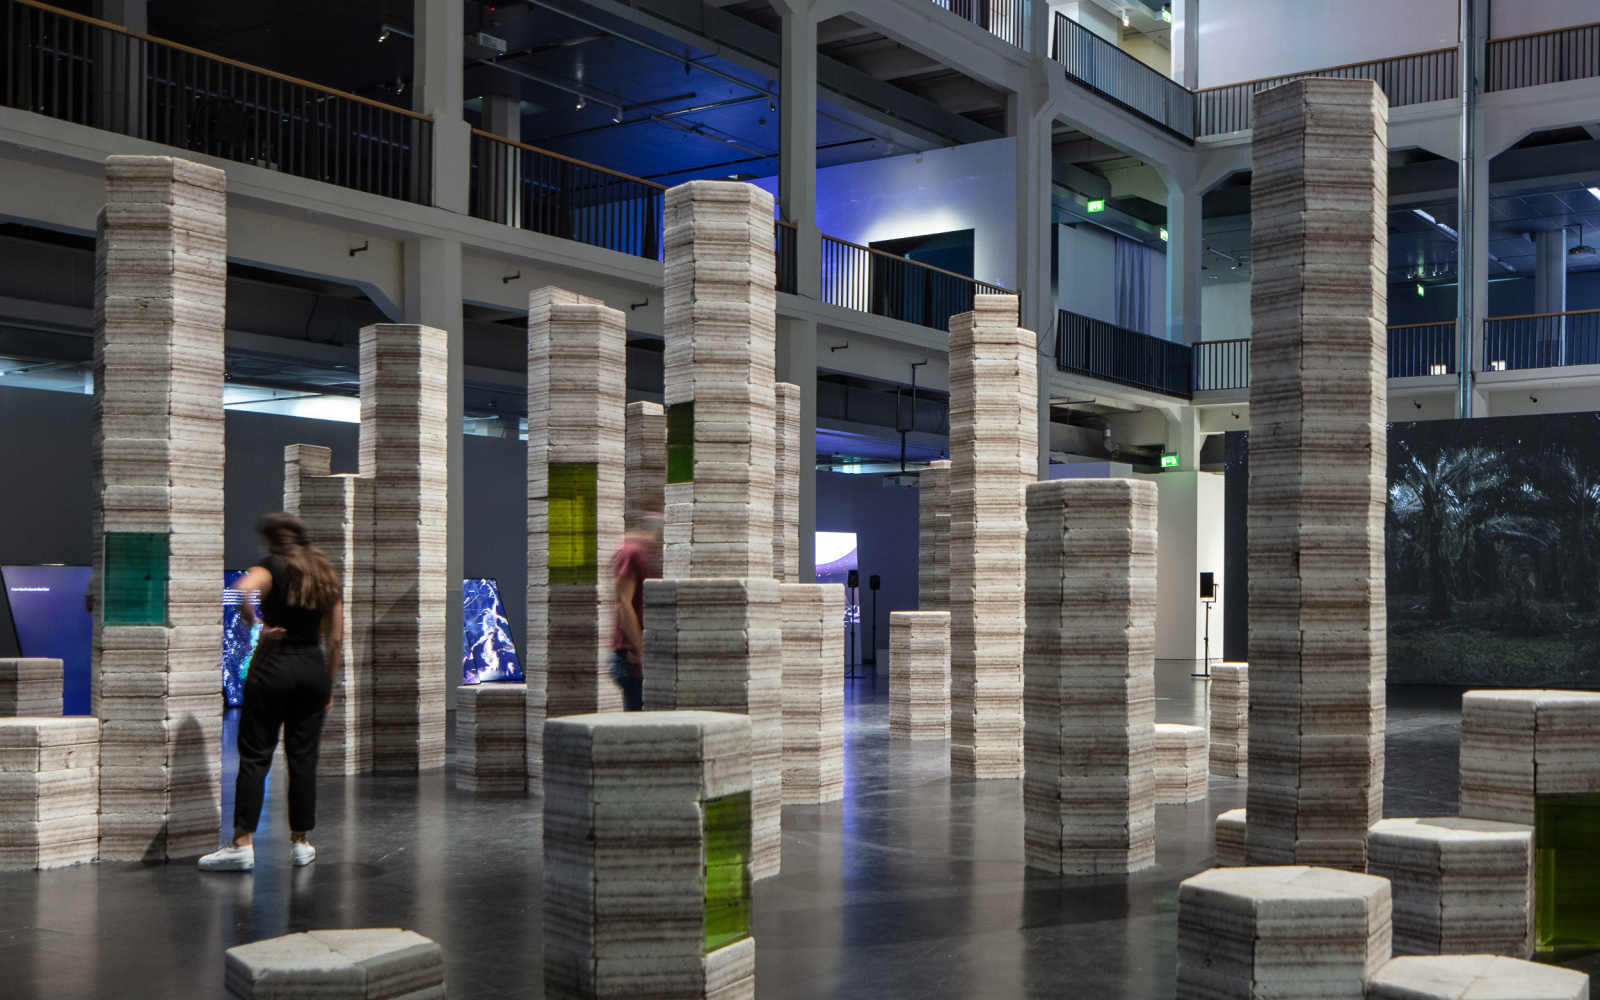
point(383, 36)
point(772, 106)
point(1594, 190)
point(580, 103)
point(1125, 21)
point(618, 116)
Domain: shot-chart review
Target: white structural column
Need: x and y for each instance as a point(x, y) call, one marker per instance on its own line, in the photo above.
point(1089, 790)
point(786, 485)
point(1318, 401)
point(1185, 42)
point(1032, 115)
point(645, 479)
point(813, 692)
point(438, 91)
point(933, 537)
point(1550, 295)
point(403, 404)
point(647, 845)
point(158, 451)
point(1472, 222)
point(993, 457)
point(1184, 250)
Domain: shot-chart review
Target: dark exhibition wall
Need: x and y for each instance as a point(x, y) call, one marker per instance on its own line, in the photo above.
point(884, 519)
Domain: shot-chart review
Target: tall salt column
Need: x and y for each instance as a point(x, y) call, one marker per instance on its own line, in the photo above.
point(161, 268)
point(404, 392)
point(993, 375)
point(644, 492)
point(1089, 790)
point(1318, 402)
point(788, 453)
point(933, 537)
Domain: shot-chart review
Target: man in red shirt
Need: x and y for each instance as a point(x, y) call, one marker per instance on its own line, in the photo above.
point(630, 567)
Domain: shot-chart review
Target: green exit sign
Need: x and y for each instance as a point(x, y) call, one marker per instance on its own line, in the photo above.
point(1096, 205)
point(1169, 460)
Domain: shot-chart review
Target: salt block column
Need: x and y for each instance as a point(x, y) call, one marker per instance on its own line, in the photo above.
point(1089, 788)
point(404, 394)
point(813, 692)
point(644, 490)
point(789, 453)
point(49, 791)
point(1318, 404)
point(1228, 707)
point(158, 450)
point(1481, 977)
point(993, 429)
point(933, 537)
point(1280, 932)
point(30, 686)
point(919, 675)
point(647, 841)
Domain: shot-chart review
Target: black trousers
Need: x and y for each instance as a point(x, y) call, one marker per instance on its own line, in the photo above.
point(287, 690)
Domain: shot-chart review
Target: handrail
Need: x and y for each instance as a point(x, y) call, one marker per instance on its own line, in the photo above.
point(223, 59)
point(1535, 34)
point(883, 284)
point(987, 287)
point(1416, 78)
point(1116, 354)
point(1408, 326)
point(569, 159)
point(1542, 57)
point(1102, 68)
point(1326, 69)
point(1570, 312)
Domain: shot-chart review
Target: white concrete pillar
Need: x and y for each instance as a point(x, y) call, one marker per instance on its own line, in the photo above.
point(1183, 263)
point(1550, 293)
point(503, 116)
point(797, 140)
point(437, 90)
point(131, 14)
point(1032, 115)
point(1185, 39)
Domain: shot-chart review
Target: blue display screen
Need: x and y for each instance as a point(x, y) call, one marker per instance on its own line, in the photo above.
point(238, 638)
point(487, 651)
point(47, 605)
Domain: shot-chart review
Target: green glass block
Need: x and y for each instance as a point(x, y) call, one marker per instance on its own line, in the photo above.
point(574, 532)
point(1567, 872)
point(680, 442)
point(727, 830)
point(134, 578)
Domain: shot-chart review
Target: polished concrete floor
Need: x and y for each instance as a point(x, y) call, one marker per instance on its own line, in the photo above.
point(911, 887)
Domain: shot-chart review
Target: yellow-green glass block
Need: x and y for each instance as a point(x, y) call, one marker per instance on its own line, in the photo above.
point(574, 529)
point(134, 578)
point(1567, 866)
point(680, 442)
point(727, 831)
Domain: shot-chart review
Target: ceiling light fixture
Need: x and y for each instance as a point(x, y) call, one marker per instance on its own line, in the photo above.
point(383, 36)
point(1125, 21)
point(1594, 190)
point(580, 102)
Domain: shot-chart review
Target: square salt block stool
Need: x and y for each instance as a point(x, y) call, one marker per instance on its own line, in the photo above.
point(1180, 763)
point(491, 737)
point(1474, 977)
point(1460, 886)
point(367, 964)
point(1228, 703)
point(49, 792)
point(1230, 839)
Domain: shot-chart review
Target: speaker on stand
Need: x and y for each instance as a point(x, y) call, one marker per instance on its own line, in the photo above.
point(852, 614)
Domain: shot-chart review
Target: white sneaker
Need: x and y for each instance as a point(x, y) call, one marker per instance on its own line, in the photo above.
point(229, 859)
point(303, 854)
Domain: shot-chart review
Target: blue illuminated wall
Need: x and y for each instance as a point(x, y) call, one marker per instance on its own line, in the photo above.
point(52, 621)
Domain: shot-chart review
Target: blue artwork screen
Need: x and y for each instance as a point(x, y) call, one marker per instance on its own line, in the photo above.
point(487, 651)
point(52, 620)
point(238, 638)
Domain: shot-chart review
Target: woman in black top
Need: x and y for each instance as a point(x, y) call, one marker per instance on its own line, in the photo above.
point(289, 686)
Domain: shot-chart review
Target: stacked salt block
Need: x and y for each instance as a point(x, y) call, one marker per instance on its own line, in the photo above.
point(627, 852)
point(919, 675)
point(1461, 886)
point(577, 409)
point(1088, 791)
point(158, 450)
point(1518, 744)
point(1180, 763)
point(363, 964)
point(786, 484)
point(1230, 839)
point(717, 646)
point(337, 511)
point(813, 692)
point(720, 354)
point(645, 470)
point(1474, 977)
point(49, 791)
point(933, 537)
point(1317, 476)
point(30, 686)
point(491, 737)
point(1290, 931)
point(1230, 719)
point(404, 403)
point(993, 434)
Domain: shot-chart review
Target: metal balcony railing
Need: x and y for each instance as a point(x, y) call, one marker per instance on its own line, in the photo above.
point(1221, 364)
point(1547, 57)
point(1107, 351)
point(786, 238)
point(1100, 67)
point(520, 185)
point(1541, 340)
point(77, 69)
point(1410, 79)
point(872, 281)
point(1001, 18)
point(1417, 349)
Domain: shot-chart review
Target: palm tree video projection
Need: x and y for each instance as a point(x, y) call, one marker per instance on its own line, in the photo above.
point(1493, 532)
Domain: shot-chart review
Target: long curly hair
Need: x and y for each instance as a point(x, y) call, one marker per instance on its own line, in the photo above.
point(312, 582)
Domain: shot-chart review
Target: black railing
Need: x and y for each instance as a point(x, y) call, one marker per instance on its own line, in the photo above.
point(1103, 350)
point(519, 185)
point(1001, 18)
point(786, 243)
point(1101, 67)
point(80, 70)
point(1547, 57)
point(1541, 340)
point(1417, 349)
point(1413, 79)
point(872, 281)
point(1221, 364)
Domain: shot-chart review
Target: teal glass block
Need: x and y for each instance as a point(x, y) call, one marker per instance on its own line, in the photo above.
point(1566, 832)
point(680, 442)
point(727, 836)
point(574, 523)
point(134, 578)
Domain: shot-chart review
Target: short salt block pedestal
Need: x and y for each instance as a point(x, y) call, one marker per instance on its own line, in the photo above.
point(1229, 710)
point(647, 883)
point(1460, 886)
point(491, 737)
point(1230, 839)
point(49, 792)
point(919, 675)
point(813, 693)
point(1288, 931)
point(30, 687)
point(1474, 977)
point(367, 964)
point(1180, 763)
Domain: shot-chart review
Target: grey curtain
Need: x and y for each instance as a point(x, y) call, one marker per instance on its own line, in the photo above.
point(1133, 285)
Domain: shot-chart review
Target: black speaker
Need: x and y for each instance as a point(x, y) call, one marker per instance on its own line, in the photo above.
point(1208, 586)
point(872, 582)
point(853, 581)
